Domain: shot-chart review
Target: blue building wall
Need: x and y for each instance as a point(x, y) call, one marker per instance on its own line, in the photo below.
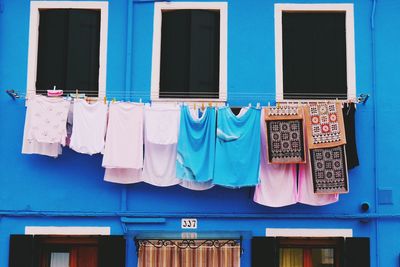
point(70, 191)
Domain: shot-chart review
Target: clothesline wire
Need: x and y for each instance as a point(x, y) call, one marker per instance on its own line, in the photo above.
point(211, 96)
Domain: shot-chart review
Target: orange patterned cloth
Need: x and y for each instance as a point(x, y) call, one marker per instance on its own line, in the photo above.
point(325, 127)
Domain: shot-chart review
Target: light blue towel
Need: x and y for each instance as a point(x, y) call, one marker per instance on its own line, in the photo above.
point(237, 149)
point(196, 146)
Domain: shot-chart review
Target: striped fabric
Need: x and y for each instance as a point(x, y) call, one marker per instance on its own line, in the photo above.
point(203, 256)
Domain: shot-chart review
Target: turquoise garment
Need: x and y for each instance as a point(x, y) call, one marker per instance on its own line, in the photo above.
point(196, 146)
point(237, 149)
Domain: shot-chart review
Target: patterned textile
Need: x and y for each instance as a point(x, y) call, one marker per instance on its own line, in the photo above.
point(329, 170)
point(285, 134)
point(325, 125)
point(203, 256)
point(285, 141)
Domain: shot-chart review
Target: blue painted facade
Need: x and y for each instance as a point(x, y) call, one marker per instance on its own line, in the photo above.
point(70, 191)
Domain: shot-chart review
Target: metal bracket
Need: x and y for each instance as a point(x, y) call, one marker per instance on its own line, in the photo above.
point(362, 98)
point(13, 94)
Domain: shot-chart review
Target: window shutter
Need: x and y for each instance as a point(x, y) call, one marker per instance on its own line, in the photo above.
point(264, 252)
point(112, 251)
point(357, 252)
point(23, 252)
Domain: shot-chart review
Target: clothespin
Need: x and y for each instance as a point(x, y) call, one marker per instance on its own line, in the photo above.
point(114, 100)
point(105, 100)
point(140, 100)
point(194, 106)
point(258, 105)
point(76, 94)
point(269, 103)
point(278, 104)
point(210, 104)
point(202, 106)
point(249, 105)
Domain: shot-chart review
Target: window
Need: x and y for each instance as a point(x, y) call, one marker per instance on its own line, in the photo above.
point(307, 252)
point(67, 48)
point(189, 51)
point(310, 251)
point(66, 251)
point(314, 51)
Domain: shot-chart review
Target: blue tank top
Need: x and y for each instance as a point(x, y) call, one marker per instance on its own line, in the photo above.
point(237, 149)
point(196, 146)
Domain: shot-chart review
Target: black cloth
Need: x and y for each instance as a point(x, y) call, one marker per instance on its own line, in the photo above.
point(349, 111)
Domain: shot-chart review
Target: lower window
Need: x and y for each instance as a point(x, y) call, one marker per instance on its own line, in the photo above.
point(309, 252)
point(66, 251)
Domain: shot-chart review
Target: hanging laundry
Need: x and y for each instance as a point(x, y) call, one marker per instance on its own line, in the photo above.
point(277, 187)
point(329, 170)
point(196, 186)
point(237, 153)
point(285, 134)
point(45, 126)
point(349, 111)
point(161, 137)
point(196, 146)
point(306, 193)
point(123, 176)
point(325, 126)
point(124, 142)
point(196, 114)
point(89, 127)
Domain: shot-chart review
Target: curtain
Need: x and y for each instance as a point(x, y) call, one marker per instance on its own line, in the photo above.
point(307, 258)
point(291, 257)
point(203, 256)
point(59, 259)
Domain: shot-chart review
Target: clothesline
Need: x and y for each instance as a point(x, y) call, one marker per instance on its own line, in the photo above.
point(213, 97)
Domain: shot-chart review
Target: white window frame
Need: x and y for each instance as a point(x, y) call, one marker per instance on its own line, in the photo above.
point(36, 6)
point(309, 232)
point(155, 72)
point(350, 50)
point(67, 230)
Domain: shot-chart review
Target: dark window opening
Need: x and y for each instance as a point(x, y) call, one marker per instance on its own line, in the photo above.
point(190, 43)
point(306, 252)
point(66, 251)
point(309, 252)
point(68, 50)
point(314, 55)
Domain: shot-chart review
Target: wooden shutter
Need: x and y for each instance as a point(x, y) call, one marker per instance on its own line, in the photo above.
point(111, 251)
point(264, 252)
point(357, 252)
point(23, 252)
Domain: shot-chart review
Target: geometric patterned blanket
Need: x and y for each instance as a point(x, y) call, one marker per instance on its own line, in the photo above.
point(285, 135)
point(329, 170)
point(325, 127)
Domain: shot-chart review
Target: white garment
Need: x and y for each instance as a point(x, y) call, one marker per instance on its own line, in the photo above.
point(162, 124)
point(47, 120)
point(89, 127)
point(123, 176)
point(124, 139)
point(161, 136)
point(33, 117)
point(278, 185)
point(193, 185)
